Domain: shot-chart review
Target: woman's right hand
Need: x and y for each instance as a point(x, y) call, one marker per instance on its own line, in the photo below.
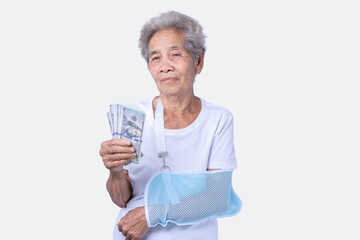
point(116, 152)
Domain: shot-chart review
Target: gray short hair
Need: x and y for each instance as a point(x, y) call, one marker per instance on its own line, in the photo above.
point(194, 39)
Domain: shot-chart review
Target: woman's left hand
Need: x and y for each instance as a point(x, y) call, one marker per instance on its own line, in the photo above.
point(133, 225)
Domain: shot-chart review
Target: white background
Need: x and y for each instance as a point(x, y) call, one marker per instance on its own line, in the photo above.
point(287, 70)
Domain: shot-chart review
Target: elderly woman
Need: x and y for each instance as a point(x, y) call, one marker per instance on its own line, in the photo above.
point(199, 135)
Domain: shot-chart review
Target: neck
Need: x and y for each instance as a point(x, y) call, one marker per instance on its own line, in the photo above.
point(179, 112)
point(179, 105)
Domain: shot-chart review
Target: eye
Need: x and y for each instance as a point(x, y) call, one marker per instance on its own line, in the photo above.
point(155, 58)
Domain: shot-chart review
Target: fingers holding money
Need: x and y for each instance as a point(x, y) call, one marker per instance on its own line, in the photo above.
point(117, 141)
point(114, 149)
point(116, 152)
point(116, 160)
point(116, 146)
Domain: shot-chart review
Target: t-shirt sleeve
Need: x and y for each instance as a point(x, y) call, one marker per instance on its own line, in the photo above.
point(222, 154)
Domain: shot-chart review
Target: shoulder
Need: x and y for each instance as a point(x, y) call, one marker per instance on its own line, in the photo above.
point(217, 112)
point(216, 118)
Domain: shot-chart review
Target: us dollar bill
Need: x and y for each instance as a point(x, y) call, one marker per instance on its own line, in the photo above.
point(127, 122)
point(132, 128)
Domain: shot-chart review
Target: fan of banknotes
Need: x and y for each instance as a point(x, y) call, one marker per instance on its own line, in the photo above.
point(127, 122)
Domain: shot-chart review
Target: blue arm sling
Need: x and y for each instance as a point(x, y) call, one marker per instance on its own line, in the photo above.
point(186, 198)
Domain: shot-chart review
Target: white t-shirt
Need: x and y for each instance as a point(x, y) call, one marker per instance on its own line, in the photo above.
point(208, 143)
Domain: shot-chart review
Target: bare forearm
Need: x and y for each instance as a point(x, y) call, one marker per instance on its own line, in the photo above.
point(119, 188)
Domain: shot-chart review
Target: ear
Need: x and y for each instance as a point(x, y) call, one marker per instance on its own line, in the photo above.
point(200, 64)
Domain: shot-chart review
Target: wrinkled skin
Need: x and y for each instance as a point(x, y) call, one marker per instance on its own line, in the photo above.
point(133, 225)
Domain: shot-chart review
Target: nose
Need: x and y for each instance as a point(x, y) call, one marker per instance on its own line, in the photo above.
point(166, 66)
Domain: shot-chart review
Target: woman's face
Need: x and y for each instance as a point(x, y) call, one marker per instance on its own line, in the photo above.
point(171, 66)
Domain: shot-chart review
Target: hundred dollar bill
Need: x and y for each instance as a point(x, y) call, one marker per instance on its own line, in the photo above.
point(126, 122)
point(132, 128)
